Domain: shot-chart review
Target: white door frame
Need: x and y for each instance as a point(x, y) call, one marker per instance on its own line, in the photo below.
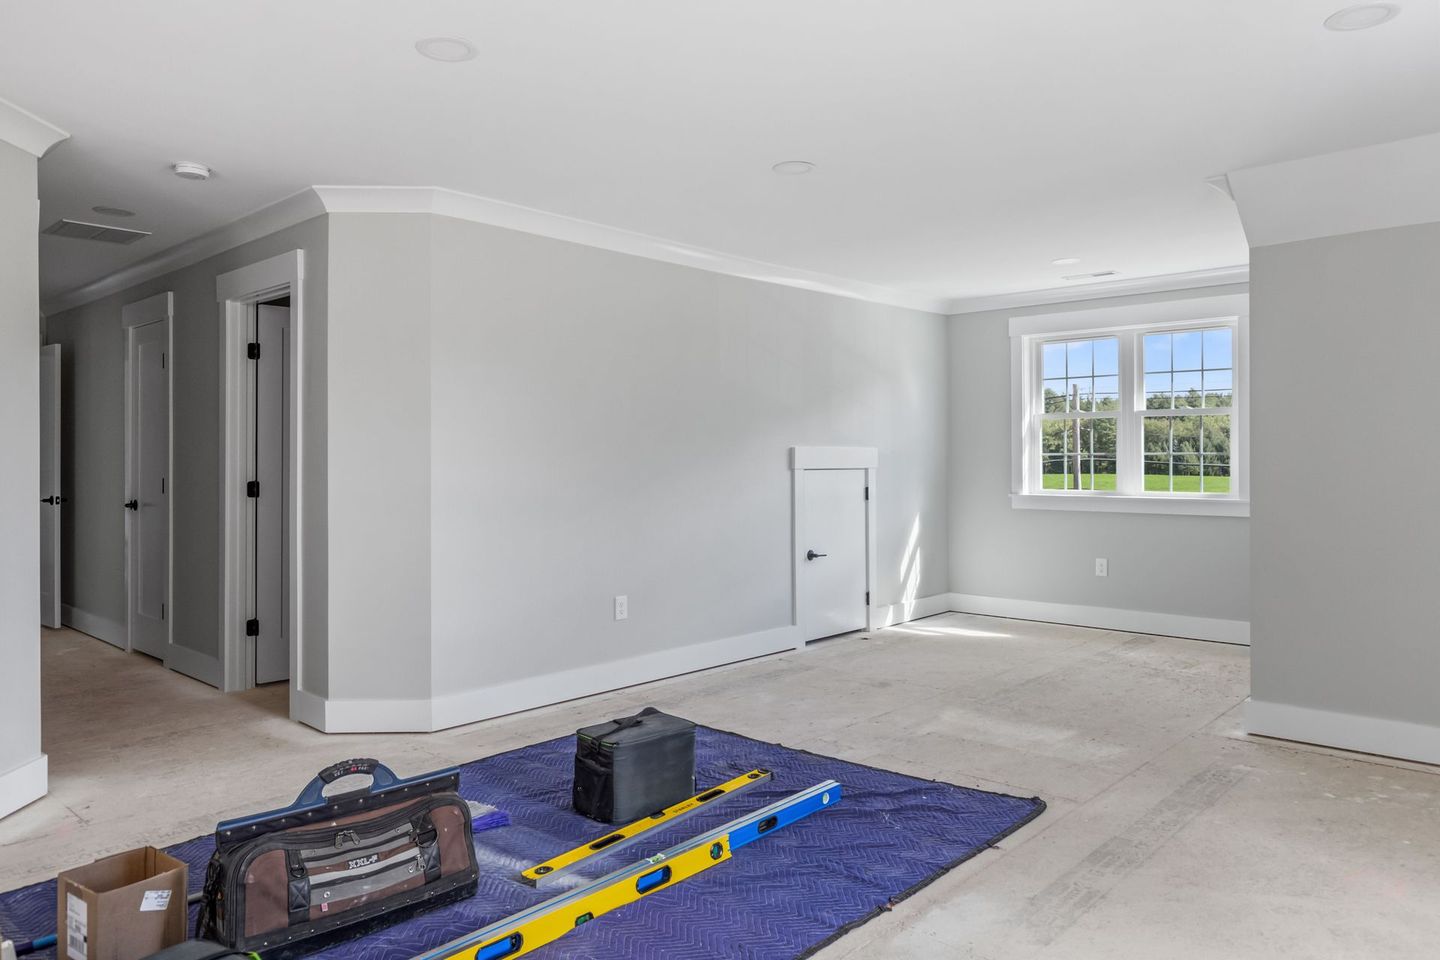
point(237, 292)
point(152, 309)
point(828, 458)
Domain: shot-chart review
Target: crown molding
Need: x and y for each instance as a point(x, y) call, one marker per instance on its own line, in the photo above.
point(498, 213)
point(1128, 287)
point(296, 208)
point(27, 131)
point(438, 201)
point(1367, 188)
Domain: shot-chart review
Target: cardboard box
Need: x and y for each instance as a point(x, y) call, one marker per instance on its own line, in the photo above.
point(122, 907)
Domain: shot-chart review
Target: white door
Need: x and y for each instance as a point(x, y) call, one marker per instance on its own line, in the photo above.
point(50, 500)
point(272, 443)
point(832, 551)
point(147, 488)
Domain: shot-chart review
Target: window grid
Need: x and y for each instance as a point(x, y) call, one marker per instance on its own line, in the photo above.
point(1199, 359)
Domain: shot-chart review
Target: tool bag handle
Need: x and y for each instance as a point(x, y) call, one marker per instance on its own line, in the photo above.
point(625, 723)
point(380, 776)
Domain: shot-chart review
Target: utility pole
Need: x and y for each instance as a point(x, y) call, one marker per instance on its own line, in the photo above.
point(1075, 406)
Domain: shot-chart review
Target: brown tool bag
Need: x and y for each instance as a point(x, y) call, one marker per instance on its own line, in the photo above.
point(330, 868)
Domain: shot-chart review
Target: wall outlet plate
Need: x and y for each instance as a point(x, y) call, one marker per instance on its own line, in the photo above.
point(622, 608)
point(1102, 567)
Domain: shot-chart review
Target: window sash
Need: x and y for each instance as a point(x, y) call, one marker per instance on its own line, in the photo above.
point(1132, 413)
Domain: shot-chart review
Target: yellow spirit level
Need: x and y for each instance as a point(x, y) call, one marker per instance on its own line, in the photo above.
point(545, 873)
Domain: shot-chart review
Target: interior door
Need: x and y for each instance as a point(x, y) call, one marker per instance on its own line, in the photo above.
point(148, 503)
point(50, 499)
point(272, 445)
point(833, 553)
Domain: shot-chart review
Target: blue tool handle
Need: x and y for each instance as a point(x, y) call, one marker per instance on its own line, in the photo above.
point(380, 776)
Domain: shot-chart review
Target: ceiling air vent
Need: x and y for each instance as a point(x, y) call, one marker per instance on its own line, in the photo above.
point(1098, 274)
point(80, 230)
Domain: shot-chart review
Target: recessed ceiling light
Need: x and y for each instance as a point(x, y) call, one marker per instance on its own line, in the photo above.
point(793, 168)
point(446, 49)
point(114, 211)
point(190, 170)
point(1362, 16)
point(1065, 261)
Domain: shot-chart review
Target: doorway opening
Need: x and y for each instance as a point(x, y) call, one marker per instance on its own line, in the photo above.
point(268, 530)
point(260, 610)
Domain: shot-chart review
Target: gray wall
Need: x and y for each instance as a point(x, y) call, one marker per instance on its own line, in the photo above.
point(604, 424)
point(378, 451)
point(19, 463)
point(1191, 566)
point(94, 443)
point(1346, 558)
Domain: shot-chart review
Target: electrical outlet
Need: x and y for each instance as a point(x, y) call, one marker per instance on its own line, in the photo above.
point(1102, 567)
point(622, 608)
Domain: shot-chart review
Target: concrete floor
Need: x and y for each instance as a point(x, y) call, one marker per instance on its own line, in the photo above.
point(1169, 833)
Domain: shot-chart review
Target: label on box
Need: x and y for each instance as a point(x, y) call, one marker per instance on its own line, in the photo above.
point(75, 927)
point(155, 900)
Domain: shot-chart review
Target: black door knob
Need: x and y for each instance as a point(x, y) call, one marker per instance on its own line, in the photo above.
point(811, 555)
point(132, 504)
point(50, 500)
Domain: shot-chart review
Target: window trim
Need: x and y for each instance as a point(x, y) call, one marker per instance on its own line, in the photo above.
point(1127, 322)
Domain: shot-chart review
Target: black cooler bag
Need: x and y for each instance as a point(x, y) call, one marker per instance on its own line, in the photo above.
point(632, 767)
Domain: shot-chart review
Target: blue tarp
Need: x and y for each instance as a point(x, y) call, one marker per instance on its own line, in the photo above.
point(780, 898)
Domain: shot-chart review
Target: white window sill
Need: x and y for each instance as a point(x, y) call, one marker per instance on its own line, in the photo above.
point(1116, 503)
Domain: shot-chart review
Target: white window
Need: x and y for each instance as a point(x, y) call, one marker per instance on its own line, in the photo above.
point(1135, 409)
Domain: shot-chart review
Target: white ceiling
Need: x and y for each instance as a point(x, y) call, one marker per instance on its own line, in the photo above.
point(960, 146)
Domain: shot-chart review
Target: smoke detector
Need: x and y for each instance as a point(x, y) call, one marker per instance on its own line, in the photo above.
point(190, 170)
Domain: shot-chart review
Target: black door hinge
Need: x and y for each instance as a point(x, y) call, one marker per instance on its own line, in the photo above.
point(252, 351)
point(867, 598)
point(252, 628)
point(252, 488)
point(162, 611)
point(867, 493)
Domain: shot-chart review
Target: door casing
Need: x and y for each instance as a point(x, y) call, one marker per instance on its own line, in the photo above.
point(237, 293)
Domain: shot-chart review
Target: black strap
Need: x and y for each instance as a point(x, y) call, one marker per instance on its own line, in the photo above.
point(427, 841)
point(207, 921)
point(625, 723)
point(298, 889)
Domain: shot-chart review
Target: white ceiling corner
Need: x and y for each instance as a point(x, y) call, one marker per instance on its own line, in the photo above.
point(1367, 188)
point(27, 131)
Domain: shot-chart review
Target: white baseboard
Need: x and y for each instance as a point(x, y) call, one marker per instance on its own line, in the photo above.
point(307, 708)
point(455, 709)
point(1107, 618)
point(113, 632)
point(1347, 731)
point(890, 614)
point(517, 695)
point(24, 784)
point(192, 663)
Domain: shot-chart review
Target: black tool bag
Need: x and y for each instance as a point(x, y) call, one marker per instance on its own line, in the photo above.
point(330, 868)
point(635, 766)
